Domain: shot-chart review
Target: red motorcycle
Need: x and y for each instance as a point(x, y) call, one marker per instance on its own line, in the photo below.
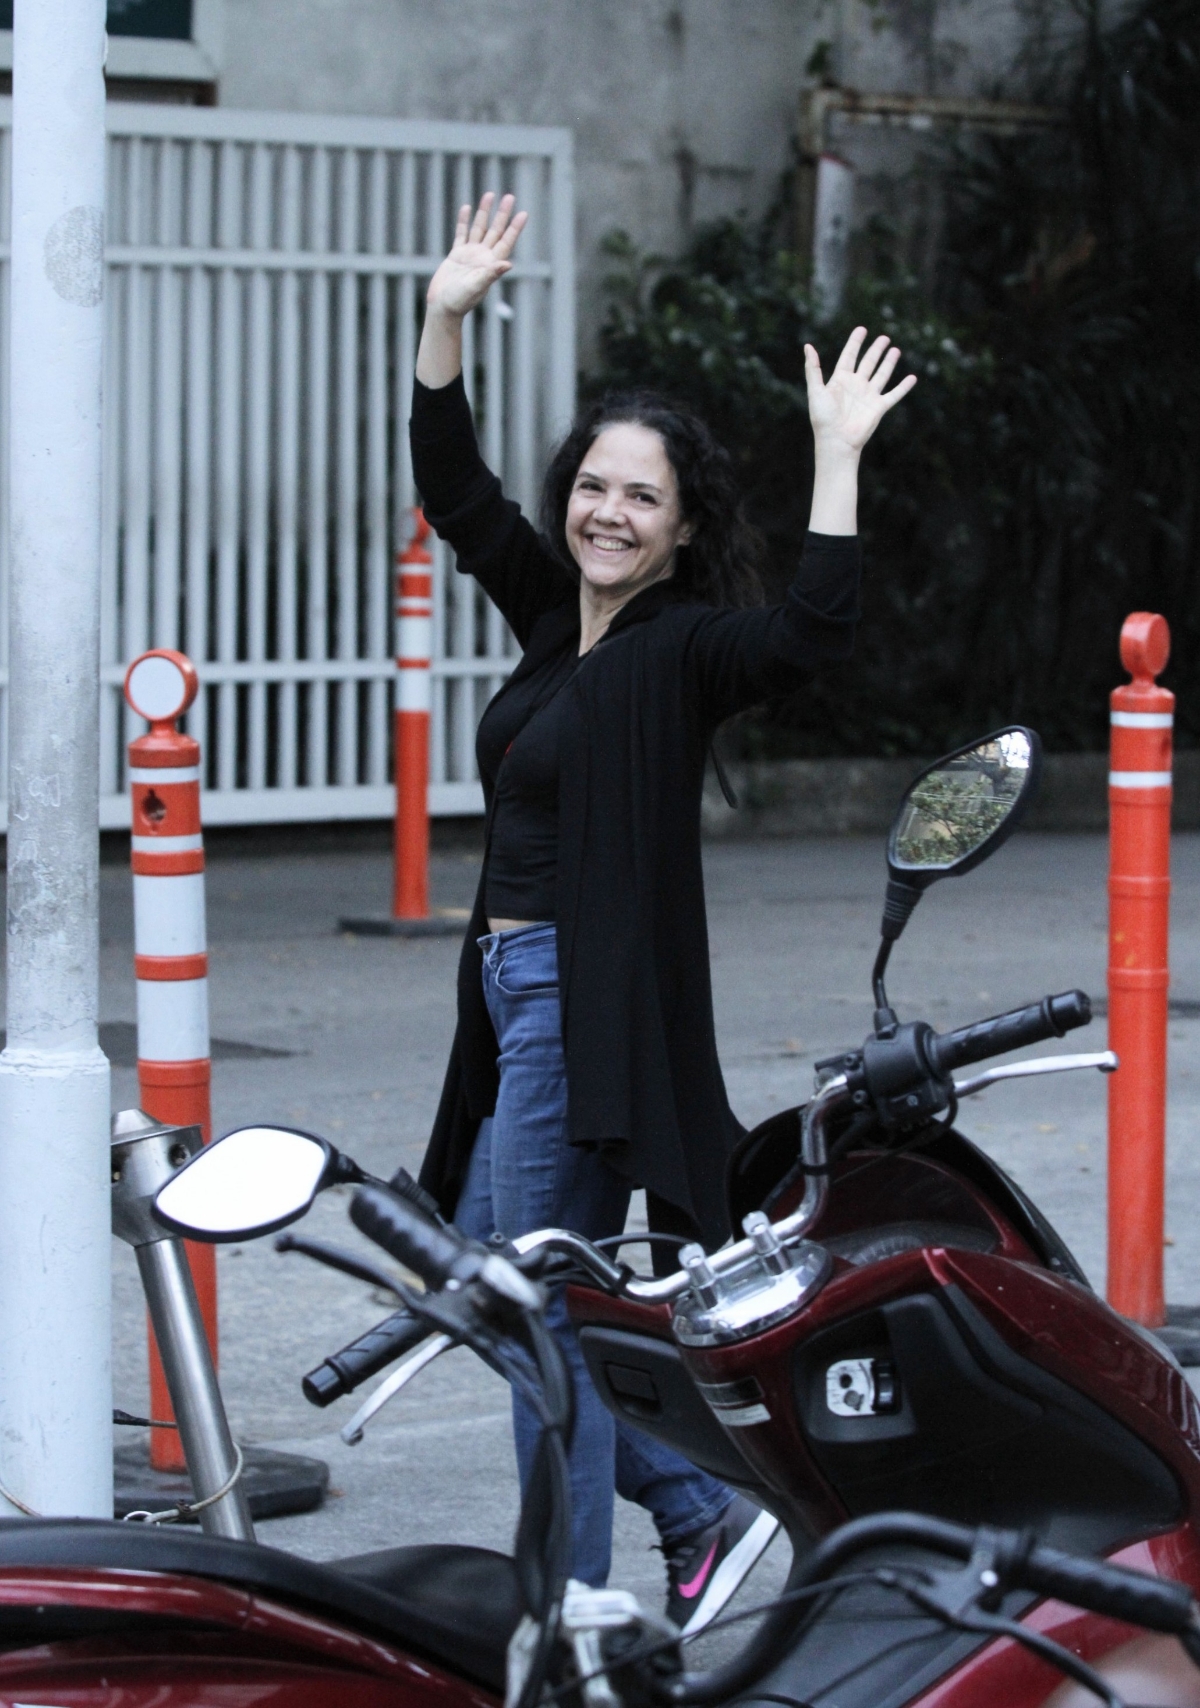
point(903, 1328)
point(899, 1328)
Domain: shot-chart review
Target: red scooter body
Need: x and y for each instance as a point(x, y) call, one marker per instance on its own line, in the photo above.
point(901, 1334)
point(151, 1619)
point(1006, 1393)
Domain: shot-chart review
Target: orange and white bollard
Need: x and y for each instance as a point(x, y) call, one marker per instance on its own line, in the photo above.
point(1139, 888)
point(414, 649)
point(171, 952)
point(411, 915)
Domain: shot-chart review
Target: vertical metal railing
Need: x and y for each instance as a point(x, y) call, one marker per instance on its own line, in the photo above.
point(265, 281)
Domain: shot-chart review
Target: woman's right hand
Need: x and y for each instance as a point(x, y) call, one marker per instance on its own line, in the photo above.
point(478, 257)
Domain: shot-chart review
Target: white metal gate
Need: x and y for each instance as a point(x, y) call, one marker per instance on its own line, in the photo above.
point(265, 275)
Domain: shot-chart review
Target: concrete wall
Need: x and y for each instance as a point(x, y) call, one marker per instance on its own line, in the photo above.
point(683, 110)
point(838, 797)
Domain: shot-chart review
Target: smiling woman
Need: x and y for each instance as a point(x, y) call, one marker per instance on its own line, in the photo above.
point(585, 1060)
point(624, 521)
point(639, 468)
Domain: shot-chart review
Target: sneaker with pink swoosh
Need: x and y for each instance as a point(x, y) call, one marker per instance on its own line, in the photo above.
point(704, 1569)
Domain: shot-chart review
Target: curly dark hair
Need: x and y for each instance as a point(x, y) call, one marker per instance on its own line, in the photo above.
point(721, 564)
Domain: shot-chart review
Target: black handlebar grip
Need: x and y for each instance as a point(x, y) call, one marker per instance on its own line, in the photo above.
point(1157, 1604)
point(344, 1371)
point(435, 1253)
point(1050, 1018)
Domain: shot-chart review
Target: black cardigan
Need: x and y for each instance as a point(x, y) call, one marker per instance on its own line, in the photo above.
point(644, 1083)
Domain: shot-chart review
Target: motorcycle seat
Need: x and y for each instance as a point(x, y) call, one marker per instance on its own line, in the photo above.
point(471, 1591)
point(455, 1606)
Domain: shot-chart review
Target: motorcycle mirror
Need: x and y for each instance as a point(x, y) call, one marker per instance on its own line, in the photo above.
point(953, 816)
point(249, 1183)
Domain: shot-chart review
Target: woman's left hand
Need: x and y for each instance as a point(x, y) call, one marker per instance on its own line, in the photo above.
point(846, 411)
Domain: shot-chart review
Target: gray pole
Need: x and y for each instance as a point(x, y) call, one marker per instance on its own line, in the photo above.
point(145, 1154)
point(55, 1386)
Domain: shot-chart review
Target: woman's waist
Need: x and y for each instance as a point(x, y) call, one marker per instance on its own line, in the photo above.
point(510, 929)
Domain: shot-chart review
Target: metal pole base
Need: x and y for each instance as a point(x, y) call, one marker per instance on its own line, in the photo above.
point(275, 1484)
point(442, 922)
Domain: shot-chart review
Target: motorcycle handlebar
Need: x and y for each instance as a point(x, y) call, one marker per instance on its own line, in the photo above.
point(436, 1254)
point(403, 1183)
point(1117, 1592)
point(1051, 1018)
point(346, 1370)
point(1157, 1604)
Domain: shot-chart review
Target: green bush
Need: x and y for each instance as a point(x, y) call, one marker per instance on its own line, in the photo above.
point(1042, 480)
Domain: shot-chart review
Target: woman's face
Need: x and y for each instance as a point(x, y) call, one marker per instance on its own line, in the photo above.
point(624, 522)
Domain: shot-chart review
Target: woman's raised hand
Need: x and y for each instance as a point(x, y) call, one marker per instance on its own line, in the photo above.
point(845, 411)
point(479, 255)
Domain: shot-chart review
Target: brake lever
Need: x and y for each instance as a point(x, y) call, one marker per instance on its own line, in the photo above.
point(1105, 1060)
point(352, 1432)
point(345, 1262)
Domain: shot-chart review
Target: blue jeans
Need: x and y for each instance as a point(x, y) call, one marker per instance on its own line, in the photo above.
point(524, 1175)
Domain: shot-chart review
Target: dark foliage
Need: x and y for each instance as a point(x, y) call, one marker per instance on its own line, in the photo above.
point(1042, 480)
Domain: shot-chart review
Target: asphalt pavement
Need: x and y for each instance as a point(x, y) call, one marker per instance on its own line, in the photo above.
point(347, 1036)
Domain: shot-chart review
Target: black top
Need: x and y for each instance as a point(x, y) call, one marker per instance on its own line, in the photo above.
point(517, 743)
point(634, 727)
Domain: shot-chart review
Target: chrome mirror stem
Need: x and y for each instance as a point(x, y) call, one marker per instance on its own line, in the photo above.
point(814, 1152)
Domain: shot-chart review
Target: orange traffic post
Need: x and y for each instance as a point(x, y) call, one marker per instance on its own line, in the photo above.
point(414, 648)
point(411, 915)
point(1139, 888)
point(171, 959)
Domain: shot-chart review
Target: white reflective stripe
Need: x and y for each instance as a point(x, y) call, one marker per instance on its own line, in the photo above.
point(414, 692)
point(168, 914)
point(168, 774)
point(416, 636)
point(172, 1018)
point(166, 844)
point(1139, 779)
point(1142, 720)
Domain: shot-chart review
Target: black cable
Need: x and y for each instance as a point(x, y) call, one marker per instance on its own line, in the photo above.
point(1053, 1652)
point(809, 1592)
point(975, 1619)
point(860, 1123)
point(544, 1532)
point(779, 1629)
point(552, 1367)
point(615, 1241)
point(661, 1645)
point(886, 1578)
point(922, 1136)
